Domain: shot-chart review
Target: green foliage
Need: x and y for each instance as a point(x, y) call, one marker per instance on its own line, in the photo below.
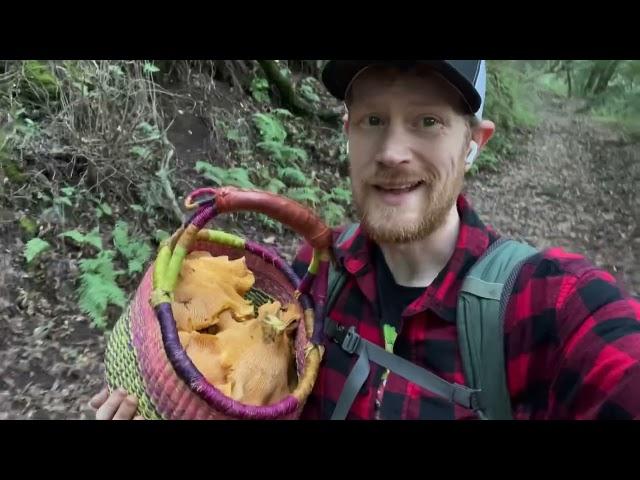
point(305, 195)
point(308, 91)
point(150, 68)
point(92, 238)
point(29, 226)
point(260, 89)
point(610, 88)
point(271, 129)
point(34, 248)
point(333, 214)
point(98, 287)
point(341, 195)
point(160, 235)
point(276, 186)
point(37, 83)
point(510, 101)
point(294, 176)
point(274, 135)
point(135, 251)
point(103, 209)
point(237, 176)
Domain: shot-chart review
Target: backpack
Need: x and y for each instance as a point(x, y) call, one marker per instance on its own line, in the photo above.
point(481, 307)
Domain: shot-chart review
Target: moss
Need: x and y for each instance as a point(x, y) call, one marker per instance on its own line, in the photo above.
point(29, 226)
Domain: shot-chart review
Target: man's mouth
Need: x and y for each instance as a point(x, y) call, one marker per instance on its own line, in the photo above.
point(404, 187)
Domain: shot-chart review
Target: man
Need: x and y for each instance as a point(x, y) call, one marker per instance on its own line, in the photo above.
point(571, 335)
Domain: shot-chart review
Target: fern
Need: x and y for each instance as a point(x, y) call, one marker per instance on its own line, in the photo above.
point(34, 248)
point(98, 288)
point(283, 154)
point(159, 235)
point(276, 186)
point(305, 195)
point(282, 112)
point(260, 89)
point(294, 176)
point(334, 214)
point(270, 224)
point(92, 238)
point(271, 129)
point(237, 177)
point(339, 194)
point(135, 251)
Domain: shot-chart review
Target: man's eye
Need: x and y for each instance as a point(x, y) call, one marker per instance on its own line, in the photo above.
point(373, 121)
point(428, 122)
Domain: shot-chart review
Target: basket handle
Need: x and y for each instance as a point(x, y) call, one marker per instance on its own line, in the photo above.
point(286, 211)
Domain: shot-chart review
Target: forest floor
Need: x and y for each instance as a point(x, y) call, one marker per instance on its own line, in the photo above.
point(570, 185)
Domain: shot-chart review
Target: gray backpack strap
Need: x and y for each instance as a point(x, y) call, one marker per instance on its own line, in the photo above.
point(353, 343)
point(481, 307)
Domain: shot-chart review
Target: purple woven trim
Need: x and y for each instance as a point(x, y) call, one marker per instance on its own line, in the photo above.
point(307, 281)
point(203, 215)
point(245, 412)
point(177, 355)
point(273, 259)
point(305, 301)
point(186, 370)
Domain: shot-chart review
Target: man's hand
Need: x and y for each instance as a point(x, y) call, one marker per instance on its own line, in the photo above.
point(117, 406)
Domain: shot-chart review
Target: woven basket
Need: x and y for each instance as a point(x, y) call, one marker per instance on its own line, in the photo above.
point(144, 354)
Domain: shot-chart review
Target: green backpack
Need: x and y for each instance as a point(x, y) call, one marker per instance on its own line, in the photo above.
point(480, 313)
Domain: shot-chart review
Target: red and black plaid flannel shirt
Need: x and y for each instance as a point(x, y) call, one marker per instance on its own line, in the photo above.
point(572, 337)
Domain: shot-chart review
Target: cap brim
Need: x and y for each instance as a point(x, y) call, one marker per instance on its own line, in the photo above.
point(337, 75)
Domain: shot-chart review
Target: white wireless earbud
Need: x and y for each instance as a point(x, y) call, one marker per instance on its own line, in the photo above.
point(472, 154)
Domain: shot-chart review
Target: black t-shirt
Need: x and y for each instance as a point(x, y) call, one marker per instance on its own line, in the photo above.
point(392, 298)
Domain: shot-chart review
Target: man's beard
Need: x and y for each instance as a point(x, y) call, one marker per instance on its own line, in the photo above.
point(385, 224)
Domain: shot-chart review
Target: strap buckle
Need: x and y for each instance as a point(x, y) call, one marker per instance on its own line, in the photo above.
point(465, 396)
point(348, 339)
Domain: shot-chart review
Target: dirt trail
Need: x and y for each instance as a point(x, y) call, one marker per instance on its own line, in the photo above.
point(571, 186)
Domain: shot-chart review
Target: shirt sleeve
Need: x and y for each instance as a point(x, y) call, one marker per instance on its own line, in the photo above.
point(598, 368)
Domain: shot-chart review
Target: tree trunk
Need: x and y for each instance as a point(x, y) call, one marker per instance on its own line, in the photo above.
point(567, 68)
point(605, 77)
point(290, 99)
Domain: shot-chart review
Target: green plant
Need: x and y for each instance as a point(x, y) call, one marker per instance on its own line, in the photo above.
point(160, 235)
point(308, 195)
point(333, 213)
point(307, 90)
point(273, 136)
point(275, 186)
point(29, 226)
point(271, 129)
point(510, 100)
point(34, 248)
point(92, 238)
point(135, 251)
point(98, 287)
point(237, 176)
point(340, 194)
point(293, 176)
point(260, 89)
point(103, 209)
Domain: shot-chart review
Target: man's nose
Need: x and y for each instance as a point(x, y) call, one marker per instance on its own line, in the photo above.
point(395, 150)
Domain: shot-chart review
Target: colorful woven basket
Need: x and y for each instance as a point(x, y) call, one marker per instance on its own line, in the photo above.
point(144, 354)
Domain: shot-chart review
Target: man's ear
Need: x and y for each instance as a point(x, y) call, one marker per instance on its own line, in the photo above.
point(480, 135)
point(483, 133)
point(345, 122)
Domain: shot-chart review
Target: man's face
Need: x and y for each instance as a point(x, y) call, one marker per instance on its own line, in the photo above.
point(407, 144)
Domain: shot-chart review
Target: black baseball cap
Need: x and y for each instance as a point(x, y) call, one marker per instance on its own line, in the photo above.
point(467, 76)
